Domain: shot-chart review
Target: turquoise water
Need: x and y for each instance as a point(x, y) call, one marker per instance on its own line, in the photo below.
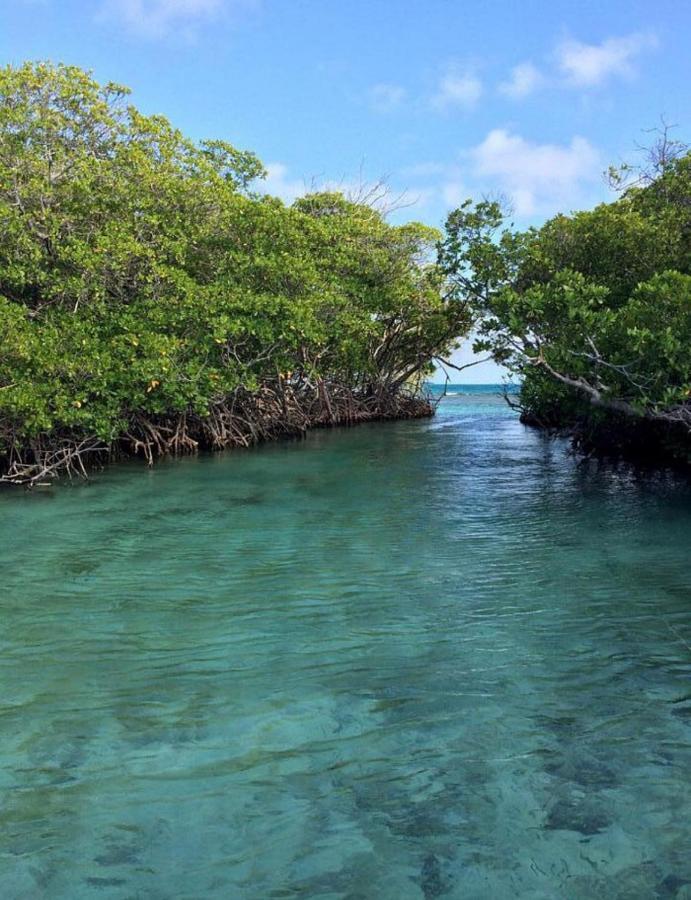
point(413, 660)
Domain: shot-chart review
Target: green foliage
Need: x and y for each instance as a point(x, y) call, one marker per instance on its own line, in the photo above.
point(593, 310)
point(141, 274)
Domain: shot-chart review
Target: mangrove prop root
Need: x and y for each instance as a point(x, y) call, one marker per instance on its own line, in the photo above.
point(240, 420)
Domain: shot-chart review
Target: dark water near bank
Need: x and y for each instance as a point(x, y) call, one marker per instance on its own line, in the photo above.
point(415, 660)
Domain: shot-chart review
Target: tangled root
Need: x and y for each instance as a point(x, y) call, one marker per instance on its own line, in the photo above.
point(242, 419)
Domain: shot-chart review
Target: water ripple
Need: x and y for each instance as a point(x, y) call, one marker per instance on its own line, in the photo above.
point(427, 659)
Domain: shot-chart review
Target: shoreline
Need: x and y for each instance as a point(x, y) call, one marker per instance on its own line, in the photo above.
point(642, 445)
point(245, 419)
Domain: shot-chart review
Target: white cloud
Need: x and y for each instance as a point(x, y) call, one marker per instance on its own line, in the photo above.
point(587, 65)
point(419, 198)
point(386, 97)
point(537, 178)
point(454, 192)
point(525, 78)
point(534, 179)
point(580, 65)
point(279, 184)
point(457, 89)
point(378, 194)
point(156, 18)
point(446, 183)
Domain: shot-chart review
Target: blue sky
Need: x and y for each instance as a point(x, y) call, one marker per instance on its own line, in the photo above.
point(530, 100)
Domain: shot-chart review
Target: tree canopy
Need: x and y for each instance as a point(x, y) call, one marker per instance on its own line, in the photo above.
point(147, 289)
point(592, 310)
point(153, 299)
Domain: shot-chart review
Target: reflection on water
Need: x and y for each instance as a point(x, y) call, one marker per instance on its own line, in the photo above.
point(416, 660)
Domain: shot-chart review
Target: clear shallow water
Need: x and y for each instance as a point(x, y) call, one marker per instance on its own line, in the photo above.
point(416, 660)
